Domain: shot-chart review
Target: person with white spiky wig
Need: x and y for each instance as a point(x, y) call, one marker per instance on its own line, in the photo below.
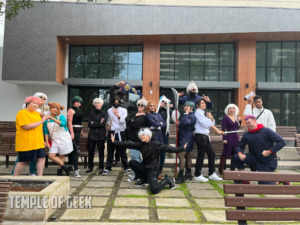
point(193, 96)
point(147, 170)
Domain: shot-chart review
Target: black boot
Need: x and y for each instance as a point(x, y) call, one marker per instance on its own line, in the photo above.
point(67, 169)
point(59, 172)
point(180, 178)
point(188, 174)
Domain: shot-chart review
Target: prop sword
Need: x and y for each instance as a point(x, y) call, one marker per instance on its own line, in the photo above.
point(230, 132)
point(235, 131)
point(175, 93)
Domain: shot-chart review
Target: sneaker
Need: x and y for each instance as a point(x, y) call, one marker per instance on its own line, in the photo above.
point(139, 184)
point(105, 171)
point(100, 171)
point(201, 178)
point(76, 174)
point(89, 171)
point(214, 177)
point(32, 174)
point(171, 183)
point(127, 170)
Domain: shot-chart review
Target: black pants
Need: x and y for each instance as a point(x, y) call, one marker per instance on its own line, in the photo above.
point(100, 146)
point(111, 148)
point(149, 175)
point(204, 146)
point(73, 156)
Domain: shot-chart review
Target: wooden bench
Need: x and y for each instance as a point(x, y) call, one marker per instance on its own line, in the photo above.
point(241, 202)
point(4, 189)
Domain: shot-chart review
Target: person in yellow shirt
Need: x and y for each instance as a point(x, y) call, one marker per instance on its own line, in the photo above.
point(29, 136)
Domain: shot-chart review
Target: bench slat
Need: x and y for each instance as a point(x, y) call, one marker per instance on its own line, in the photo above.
point(261, 176)
point(261, 189)
point(263, 215)
point(262, 202)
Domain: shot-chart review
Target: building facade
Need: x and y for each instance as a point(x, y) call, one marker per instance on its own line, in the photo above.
point(66, 49)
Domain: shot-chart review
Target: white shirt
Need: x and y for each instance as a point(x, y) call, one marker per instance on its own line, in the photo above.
point(116, 124)
point(266, 118)
point(202, 122)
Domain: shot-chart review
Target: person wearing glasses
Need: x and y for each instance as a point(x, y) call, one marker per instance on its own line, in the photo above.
point(193, 96)
point(29, 136)
point(134, 122)
point(43, 109)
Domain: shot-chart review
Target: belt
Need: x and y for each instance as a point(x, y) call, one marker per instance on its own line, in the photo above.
point(118, 133)
point(77, 125)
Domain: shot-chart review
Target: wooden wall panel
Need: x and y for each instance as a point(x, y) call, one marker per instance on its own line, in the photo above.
point(245, 71)
point(151, 70)
point(60, 61)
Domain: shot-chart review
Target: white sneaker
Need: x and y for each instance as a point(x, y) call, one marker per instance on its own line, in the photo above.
point(215, 177)
point(76, 174)
point(32, 174)
point(201, 178)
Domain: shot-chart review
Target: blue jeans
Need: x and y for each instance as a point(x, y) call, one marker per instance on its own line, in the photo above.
point(135, 155)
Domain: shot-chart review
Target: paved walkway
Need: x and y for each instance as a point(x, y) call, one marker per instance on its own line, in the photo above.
point(116, 201)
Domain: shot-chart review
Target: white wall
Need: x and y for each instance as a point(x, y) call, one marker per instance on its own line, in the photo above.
point(12, 97)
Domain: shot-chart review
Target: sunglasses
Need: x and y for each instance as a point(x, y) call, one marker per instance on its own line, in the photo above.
point(41, 97)
point(139, 105)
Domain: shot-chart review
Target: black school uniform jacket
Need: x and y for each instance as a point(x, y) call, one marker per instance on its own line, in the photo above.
point(150, 151)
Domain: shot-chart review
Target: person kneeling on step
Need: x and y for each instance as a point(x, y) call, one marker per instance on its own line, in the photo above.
point(147, 170)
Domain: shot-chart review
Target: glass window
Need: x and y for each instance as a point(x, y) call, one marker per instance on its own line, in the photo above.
point(288, 74)
point(288, 54)
point(121, 71)
point(135, 55)
point(106, 71)
point(106, 54)
point(182, 72)
point(106, 62)
point(209, 62)
point(261, 54)
point(182, 56)
point(77, 54)
point(260, 74)
point(135, 72)
point(280, 59)
point(274, 54)
point(273, 74)
point(91, 71)
point(92, 54)
point(211, 73)
point(197, 55)
point(76, 70)
point(211, 54)
point(226, 73)
point(226, 54)
point(197, 72)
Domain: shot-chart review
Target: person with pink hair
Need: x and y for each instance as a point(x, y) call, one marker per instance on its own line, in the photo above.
point(29, 136)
